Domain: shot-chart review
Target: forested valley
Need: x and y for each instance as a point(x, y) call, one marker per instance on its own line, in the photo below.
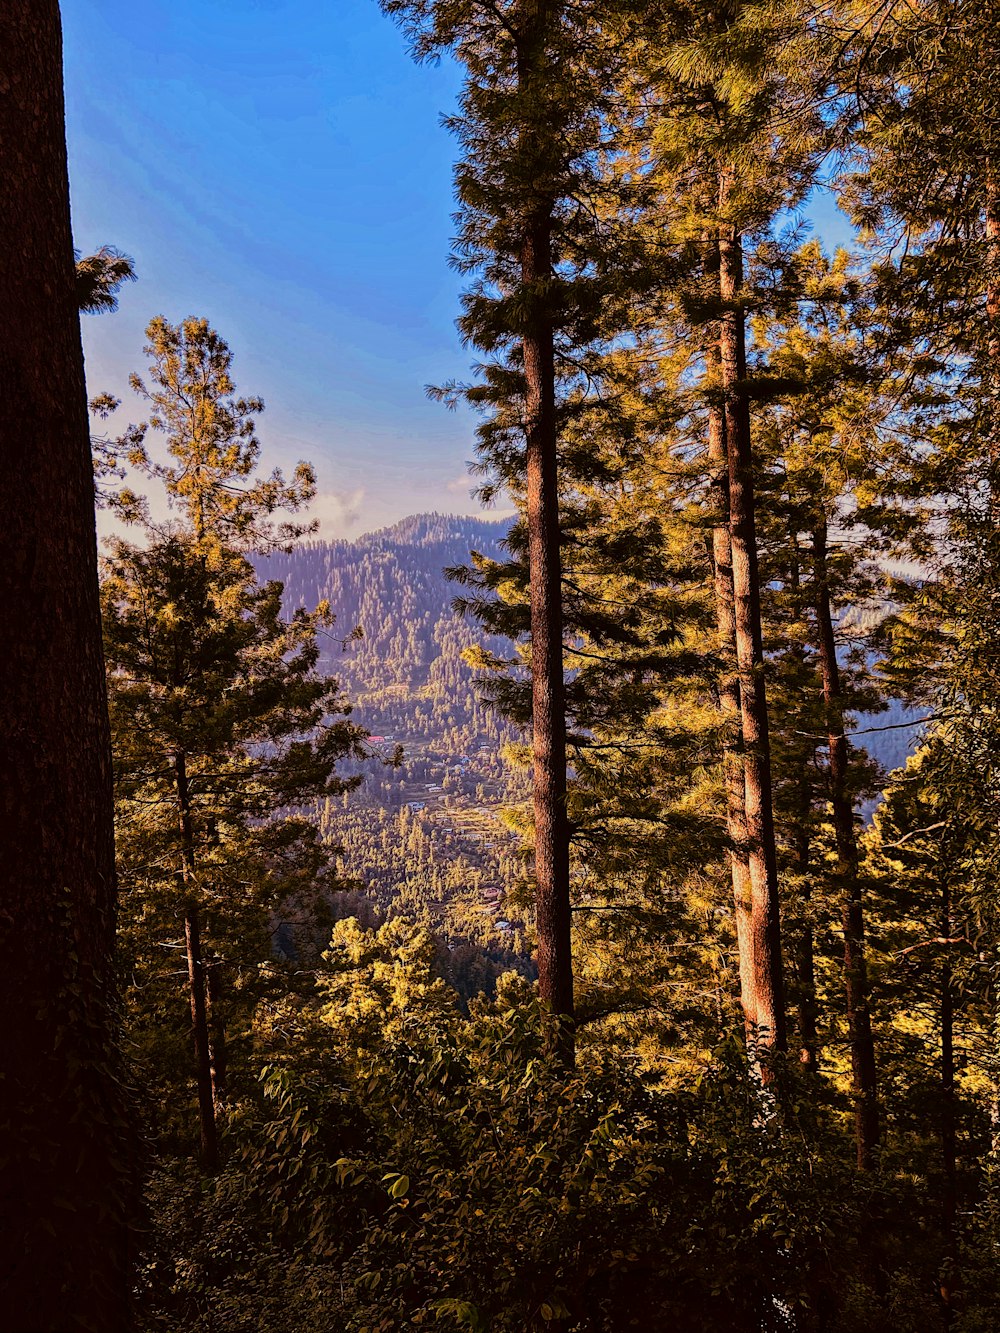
point(423, 835)
point(585, 920)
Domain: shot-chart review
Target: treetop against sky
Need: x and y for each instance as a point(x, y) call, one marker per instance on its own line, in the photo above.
point(279, 167)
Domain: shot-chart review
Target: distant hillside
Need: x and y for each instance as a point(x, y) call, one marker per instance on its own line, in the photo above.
point(406, 674)
point(423, 839)
point(891, 736)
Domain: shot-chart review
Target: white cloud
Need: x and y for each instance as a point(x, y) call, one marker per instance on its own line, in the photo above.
point(339, 512)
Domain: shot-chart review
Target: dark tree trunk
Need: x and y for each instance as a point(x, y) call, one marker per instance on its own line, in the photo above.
point(805, 960)
point(199, 1036)
point(65, 1181)
point(808, 1007)
point(765, 927)
point(729, 706)
point(196, 974)
point(548, 712)
point(949, 1151)
point(991, 223)
point(217, 1031)
point(863, 1066)
point(805, 951)
point(949, 1119)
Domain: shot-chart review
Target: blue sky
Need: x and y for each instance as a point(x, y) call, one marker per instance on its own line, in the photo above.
point(278, 166)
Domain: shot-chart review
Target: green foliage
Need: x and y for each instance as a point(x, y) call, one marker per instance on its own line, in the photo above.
point(210, 435)
point(98, 277)
point(409, 1167)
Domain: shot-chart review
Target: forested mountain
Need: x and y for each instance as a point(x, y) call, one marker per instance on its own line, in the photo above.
point(422, 837)
point(405, 672)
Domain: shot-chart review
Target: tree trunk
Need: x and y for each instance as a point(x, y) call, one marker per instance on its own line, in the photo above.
point(863, 1065)
point(808, 1008)
point(548, 706)
point(765, 928)
point(196, 974)
point(991, 372)
point(805, 961)
point(66, 1172)
point(729, 706)
point(805, 952)
point(199, 1034)
point(949, 1134)
point(217, 1031)
point(991, 223)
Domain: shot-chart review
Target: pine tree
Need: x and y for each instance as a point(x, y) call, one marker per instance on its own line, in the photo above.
point(98, 277)
point(538, 173)
point(926, 147)
point(923, 850)
point(219, 719)
point(727, 131)
point(830, 447)
point(926, 152)
point(209, 435)
point(527, 123)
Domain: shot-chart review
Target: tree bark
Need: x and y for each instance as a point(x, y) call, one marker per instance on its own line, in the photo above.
point(729, 706)
point(216, 1031)
point(765, 927)
point(991, 222)
point(196, 974)
point(864, 1081)
point(805, 950)
point(949, 1119)
point(805, 961)
point(548, 713)
point(66, 1174)
point(199, 1035)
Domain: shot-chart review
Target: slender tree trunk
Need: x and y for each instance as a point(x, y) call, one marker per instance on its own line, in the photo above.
point(217, 1032)
point(548, 715)
point(805, 956)
point(949, 1152)
point(729, 706)
point(992, 370)
point(949, 1129)
point(808, 1007)
point(548, 711)
point(196, 974)
point(199, 1032)
point(863, 1065)
point(66, 1160)
point(765, 927)
point(805, 960)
